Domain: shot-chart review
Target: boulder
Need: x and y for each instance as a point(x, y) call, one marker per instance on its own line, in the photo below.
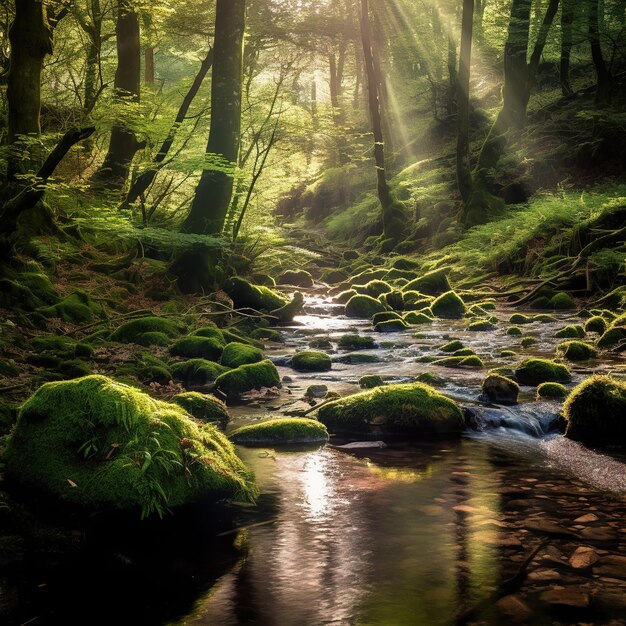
point(281, 431)
point(500, 389)
point(244, 378)
point(536, 371)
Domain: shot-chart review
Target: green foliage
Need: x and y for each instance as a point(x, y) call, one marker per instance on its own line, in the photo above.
point(412, 409)
point(281, 431)
point(98, 443)
point(595, 412)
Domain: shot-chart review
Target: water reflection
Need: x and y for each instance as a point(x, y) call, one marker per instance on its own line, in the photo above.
point(396, 538)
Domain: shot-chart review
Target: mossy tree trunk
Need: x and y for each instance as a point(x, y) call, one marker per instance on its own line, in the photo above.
point(604, 78)
point(30, 36)
point(392, 213)
point(123, 144)
point(567, 21)
point(214, 191)
point(463, 169)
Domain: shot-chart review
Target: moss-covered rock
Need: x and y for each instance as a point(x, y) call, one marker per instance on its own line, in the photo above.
point(481, 325)
point(210, 332)
point(267, 334)
point(374, 288)
point(356, 342)
point(311, 361)
point(203, 406)
point(258, 297)
point(595, 412)
point(391, 326)
point(544, 318)
point(528, 341)
point(520, 318)
point(500, 389)
point(393, 299)
point(433, 283)
point(343, 296)
point(405, 263)
point(571, 332)
point(417, 317)
point(195, 347)
point(596, 324)
point(99, 443)
point(153, 339)
point(452, 346)
point(246, 378)
point(412, 409)
point(513, 331)
point(536, 371)
point(385, 316)
point(364, 277)
point(281, 431)
point(370, 381)
point(551, 390)
point(561, 300)
point(431, 379)
point(298, 278)
point(613, 337)
point(77, 308)
point(576, 350)
point(236, 354)
point(285, 314)
point(197, 372)
point(363, 307)
point(507, 353)
point(460, 361)
point(130, 331)
point(449, 306)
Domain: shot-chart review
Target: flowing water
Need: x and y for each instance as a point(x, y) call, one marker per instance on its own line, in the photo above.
point(408, 534)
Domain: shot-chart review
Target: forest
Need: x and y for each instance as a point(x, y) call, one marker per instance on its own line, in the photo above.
point(313, 312)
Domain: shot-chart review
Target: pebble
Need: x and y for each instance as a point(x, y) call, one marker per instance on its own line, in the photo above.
point(583, 557)
point(584, 519)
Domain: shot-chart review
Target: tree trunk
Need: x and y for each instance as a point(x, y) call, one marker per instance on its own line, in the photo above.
point(148, 61)
point(463, 170)
point(392, 214)
point(144, 181)
point(452, 76)
point(123, 144)
point(567, 21)
point(30, 36)
point(605, 80)
point(214, 191)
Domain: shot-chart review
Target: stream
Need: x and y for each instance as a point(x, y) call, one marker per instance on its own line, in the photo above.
point(421, 534)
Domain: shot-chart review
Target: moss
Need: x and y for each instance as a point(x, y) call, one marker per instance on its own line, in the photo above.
point(311, 361)
point(543, 302)
point(210, 332)
point(463, 352)
point(410, 409)
point(576, 350)
point(285, 314)
point(366, 276)
point(595, 324)
point(245, 378)
point(405, 263)
point(203, 406)
point(449, 306)
point(374, 288)
point(497, 388)
point(460, 361)
point(356, 342)
point(513, 330)
point(343, 296)
point(355, 358)
point(153, 339)
point(267, 334)
point(452, 346)
point(73, 368)
point(585, 314)
point(364, 307)
point(416, 318)
point(77, 308)
point(415, 297)
point(194, 347)
point(99, 443)
point(236, 354)
point(433, 283)
point(551, 390)
point(507, 353)
point(258, 297)
point(481, 325)
point(393, 299)
point(298, 278)
point(528, 341)
point(197, 372)
point(285, 431)
point(130, 331)
point(8, 368)
point(595, 412)
point(544, 318)
point(26, 291)
point(561, 301)
point(391, 326)
point(612, 337)
point(263, 279)
point(520, 318)
point(431, 379)
point(370, 381)
point(385, 316)
point(398, 274)
point(537, 371)
point(573, 331)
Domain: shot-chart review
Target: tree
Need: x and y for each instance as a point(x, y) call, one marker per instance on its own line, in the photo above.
point(604, 78)
point(214, 191)
point(393, 224)
point(567, 21)
point(123, 144)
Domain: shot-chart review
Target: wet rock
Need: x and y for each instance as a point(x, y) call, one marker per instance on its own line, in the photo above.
point(602, 534)
point(547, 527)
point(613, 566)
point(316, 391)
point(567, 597)
point(583, 557)
point(498, 388)
point(362, 445)
point(584, 519)
point(543, 575)
point(514, 609)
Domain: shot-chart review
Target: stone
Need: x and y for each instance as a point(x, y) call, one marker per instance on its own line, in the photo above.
point(514, 608)
point(583, 557)
point(568, 596)
point(589, 517)
point(613, 565)
point(316, 391)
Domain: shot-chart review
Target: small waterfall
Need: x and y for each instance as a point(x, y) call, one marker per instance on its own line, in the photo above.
point(534, 420)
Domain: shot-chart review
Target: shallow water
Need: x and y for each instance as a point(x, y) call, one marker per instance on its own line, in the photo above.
point(416, 534)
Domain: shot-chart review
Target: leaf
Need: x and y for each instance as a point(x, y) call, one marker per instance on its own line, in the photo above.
point(72, 483)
